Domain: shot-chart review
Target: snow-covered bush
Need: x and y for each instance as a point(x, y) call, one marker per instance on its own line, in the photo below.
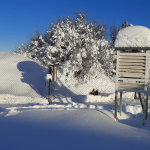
point(78, 45)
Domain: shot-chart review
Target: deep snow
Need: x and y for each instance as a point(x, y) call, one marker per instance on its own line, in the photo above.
point(133, 36)
point(74, 120)
point(74, 129)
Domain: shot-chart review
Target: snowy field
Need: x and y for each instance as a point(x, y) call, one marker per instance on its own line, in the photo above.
point(75, 120)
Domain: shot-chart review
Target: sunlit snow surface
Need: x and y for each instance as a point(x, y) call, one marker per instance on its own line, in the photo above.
point(74, 120)
point(133, 36)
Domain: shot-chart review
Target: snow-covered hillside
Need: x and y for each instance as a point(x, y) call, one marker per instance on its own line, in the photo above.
point(74, 120)
point(21, 76)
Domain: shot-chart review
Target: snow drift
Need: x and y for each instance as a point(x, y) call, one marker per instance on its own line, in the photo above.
point(133, 36)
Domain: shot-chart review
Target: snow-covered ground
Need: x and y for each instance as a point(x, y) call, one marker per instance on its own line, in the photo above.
point(74, 120)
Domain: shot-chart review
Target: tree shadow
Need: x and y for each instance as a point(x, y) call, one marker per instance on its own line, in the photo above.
point(61, 92)
point(34, 75)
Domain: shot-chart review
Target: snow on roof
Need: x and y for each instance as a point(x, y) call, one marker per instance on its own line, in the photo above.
point(133, 36)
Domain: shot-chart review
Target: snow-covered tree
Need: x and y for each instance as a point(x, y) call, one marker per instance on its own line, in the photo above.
point(78, 45)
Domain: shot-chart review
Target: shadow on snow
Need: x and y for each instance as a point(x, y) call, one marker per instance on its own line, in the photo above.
point(34, 75)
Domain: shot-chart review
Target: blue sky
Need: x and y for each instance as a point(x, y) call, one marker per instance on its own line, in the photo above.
point(19, 18)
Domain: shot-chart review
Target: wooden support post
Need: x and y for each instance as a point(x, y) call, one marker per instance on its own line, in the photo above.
point(49, 86)
point(49, 91)
point(116, 88)
point(145, 88)
point(141, 101)
point(147, 107)
point(144, 110)
point(135, 96)
point(120, 102)
point(116, 93)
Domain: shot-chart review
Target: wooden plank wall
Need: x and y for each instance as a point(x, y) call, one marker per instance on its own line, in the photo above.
point(132, 71)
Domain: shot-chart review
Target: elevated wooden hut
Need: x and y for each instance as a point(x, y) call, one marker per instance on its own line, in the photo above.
point(133, 63)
